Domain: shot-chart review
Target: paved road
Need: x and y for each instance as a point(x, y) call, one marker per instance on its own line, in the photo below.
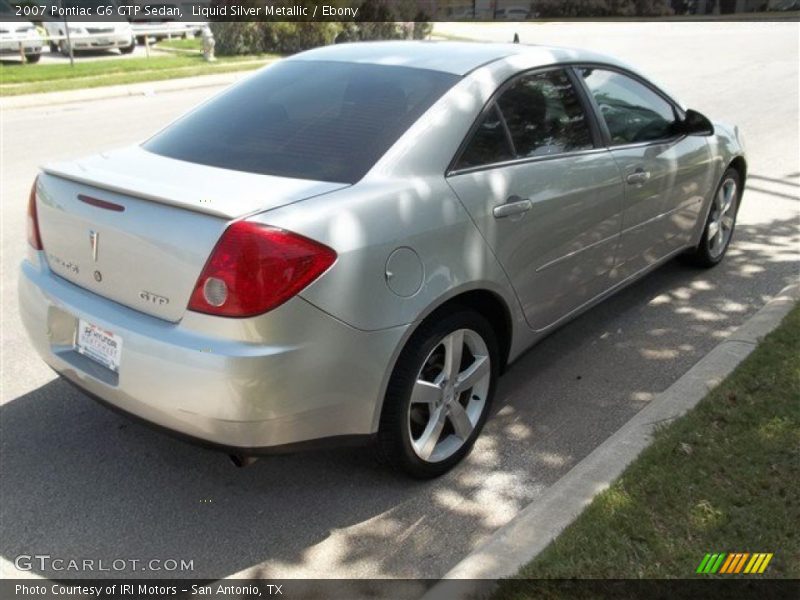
point(80, 481)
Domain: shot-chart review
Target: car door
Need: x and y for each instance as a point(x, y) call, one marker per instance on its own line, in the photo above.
point(544, 194)
point(665, 174)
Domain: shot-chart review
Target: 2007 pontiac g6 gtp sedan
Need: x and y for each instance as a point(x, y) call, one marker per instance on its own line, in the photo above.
point(352, 243)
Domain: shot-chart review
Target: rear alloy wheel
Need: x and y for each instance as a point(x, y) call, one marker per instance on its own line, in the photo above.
point(720, 224)
point(439, 395)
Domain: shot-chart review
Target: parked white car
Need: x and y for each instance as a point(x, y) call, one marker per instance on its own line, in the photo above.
point(85, 36)
point(14, 34)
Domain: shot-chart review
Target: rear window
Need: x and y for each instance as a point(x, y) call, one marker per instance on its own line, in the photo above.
point(321, 120)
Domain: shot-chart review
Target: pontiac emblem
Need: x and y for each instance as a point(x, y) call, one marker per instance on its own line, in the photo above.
point(94, 240)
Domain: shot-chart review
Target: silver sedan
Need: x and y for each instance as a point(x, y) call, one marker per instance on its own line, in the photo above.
point(353, 243)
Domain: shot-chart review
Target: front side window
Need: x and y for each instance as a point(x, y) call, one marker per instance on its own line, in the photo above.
point(631, 110)
point(326, 121)
point(544, 115)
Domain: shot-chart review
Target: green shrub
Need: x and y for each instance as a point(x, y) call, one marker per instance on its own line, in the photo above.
point(292, 37)
point(238, 38)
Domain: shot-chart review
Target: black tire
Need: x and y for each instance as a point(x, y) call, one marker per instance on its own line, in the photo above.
point(63, 48)
point(33, 58)
point(53, 48)
point(128, 49)
point(394, 433)
point(702, 256)
point(140, 40)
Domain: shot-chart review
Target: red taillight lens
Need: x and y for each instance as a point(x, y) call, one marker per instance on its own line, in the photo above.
point(34, 239)
point(255, 268)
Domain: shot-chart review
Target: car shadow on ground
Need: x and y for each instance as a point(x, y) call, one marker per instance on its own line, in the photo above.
point(79, 481)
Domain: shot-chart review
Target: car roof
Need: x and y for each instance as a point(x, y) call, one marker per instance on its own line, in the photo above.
point(458, 58)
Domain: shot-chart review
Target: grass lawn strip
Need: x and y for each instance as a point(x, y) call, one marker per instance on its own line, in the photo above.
point(723, 478)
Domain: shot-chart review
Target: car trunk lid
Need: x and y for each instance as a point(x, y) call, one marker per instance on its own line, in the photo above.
point(138, 229)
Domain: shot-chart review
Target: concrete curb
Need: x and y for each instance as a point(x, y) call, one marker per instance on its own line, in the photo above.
point(525, 536)
point(145, 88)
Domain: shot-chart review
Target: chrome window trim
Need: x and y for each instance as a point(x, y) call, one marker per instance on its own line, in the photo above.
point(526, 159)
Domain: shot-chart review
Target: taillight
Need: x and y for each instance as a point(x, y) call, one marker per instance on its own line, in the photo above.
point(255, 268)
point(34, 239)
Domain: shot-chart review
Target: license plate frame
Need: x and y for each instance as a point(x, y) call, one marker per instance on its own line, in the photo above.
point(100, 345)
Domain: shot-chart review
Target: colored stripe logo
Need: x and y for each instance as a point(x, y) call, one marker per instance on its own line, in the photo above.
point(734, 563)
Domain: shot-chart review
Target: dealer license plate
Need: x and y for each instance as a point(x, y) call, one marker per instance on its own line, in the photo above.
point(99, 344)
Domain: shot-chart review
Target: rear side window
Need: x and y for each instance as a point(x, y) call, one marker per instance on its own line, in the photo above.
point(544, 115)
point(489, 144)
point(632, 111)
point(327, 121)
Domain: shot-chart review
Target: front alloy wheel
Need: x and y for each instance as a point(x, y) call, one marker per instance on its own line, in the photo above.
point(721, 222)
point(722, 218)
point(439, 394)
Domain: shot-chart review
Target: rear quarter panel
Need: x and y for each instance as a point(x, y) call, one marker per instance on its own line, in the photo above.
point(366, 224)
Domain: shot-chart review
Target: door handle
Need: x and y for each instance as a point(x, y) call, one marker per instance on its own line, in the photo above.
point(638, 177)
point(513, 206)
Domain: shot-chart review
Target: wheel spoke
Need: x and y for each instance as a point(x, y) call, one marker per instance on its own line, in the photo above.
point(472, 374)
point(727, 222)
point(453, 347)
point(729, 194)
point(721, 198)
point(425, 392)
point(460, 420)
point(427, 441)
point(713, 229)
point(719, 240)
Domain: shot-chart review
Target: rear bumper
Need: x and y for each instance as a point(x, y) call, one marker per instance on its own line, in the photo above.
point(283, 379)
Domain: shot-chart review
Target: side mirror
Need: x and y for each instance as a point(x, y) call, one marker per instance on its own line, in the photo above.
point(694, 123)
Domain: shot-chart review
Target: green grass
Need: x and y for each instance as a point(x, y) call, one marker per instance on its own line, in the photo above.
point(724, 478)
point(189, 44)
point(28, 79)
